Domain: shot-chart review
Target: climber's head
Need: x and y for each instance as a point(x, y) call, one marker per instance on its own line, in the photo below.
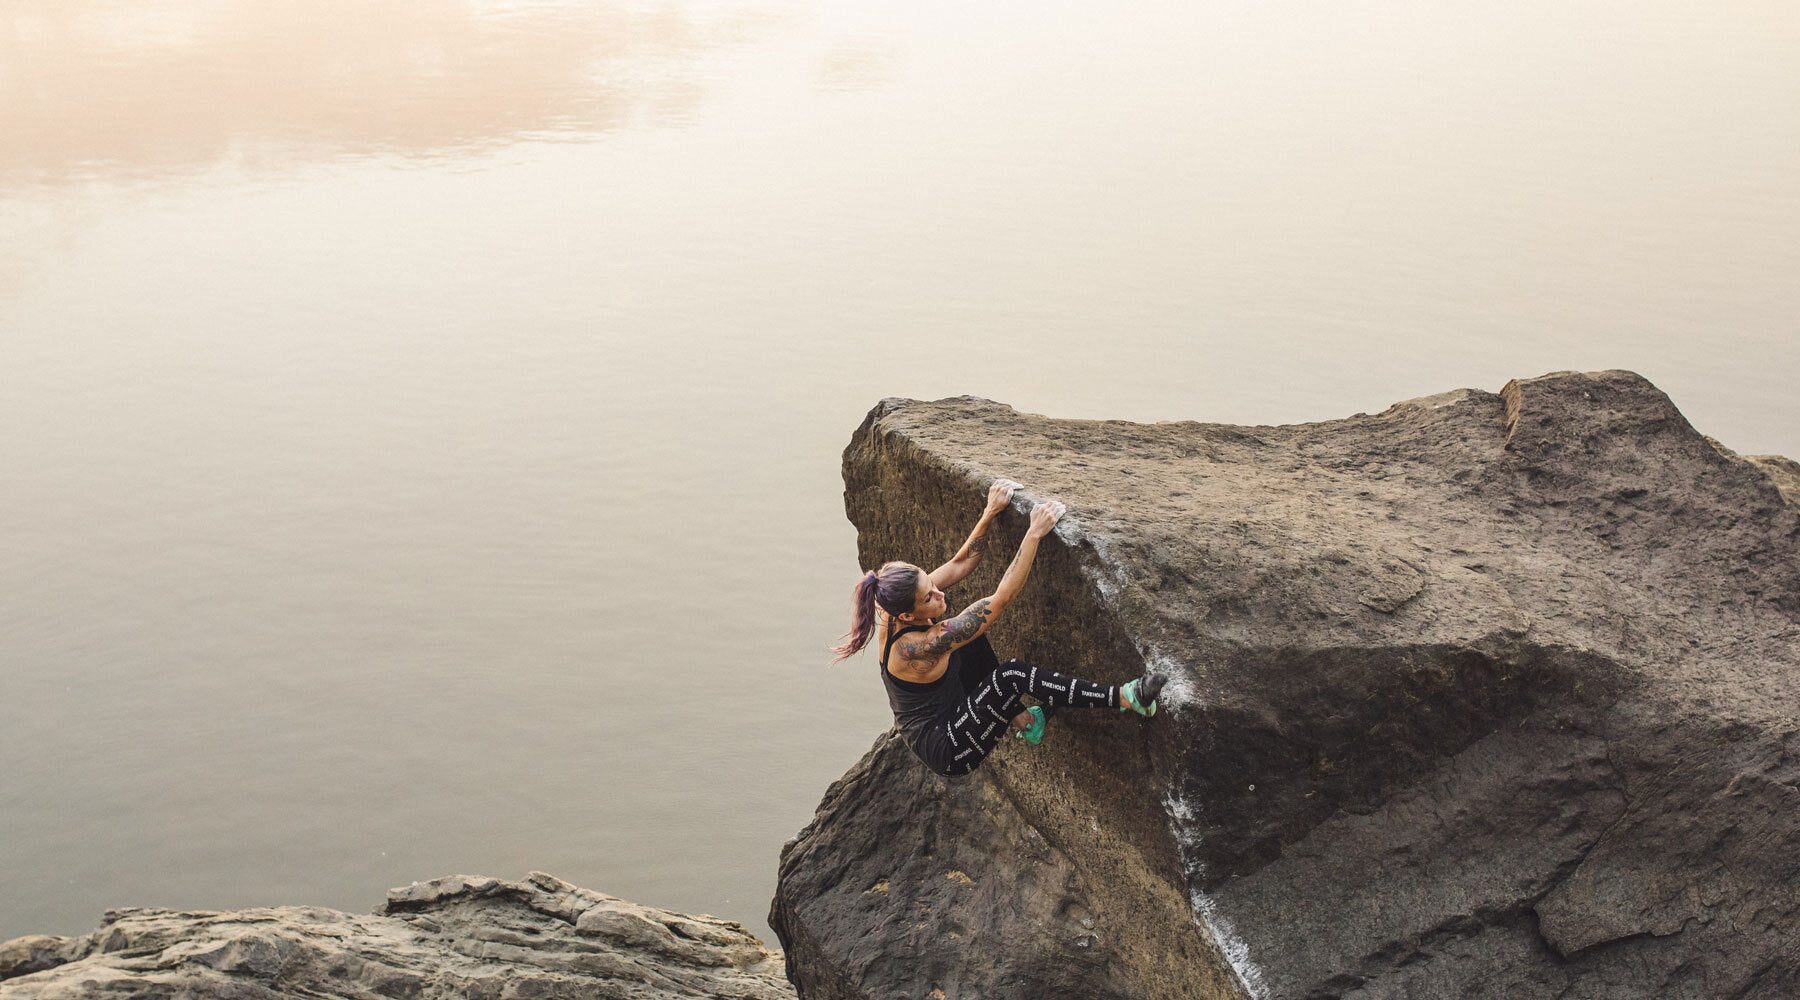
point(901, 589)
point(928, 600)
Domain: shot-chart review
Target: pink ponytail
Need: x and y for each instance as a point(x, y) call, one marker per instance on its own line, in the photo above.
point(895, 586)
point(862, 618)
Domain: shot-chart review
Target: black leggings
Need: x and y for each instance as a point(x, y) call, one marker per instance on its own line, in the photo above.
point(964, 738)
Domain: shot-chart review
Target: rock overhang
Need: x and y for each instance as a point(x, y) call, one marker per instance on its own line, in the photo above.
point(1367, 618)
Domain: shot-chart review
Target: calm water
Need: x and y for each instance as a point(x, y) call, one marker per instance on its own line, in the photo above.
point(421, 420)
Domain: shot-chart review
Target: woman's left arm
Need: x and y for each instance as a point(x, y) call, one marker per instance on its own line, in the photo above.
point(969, 556)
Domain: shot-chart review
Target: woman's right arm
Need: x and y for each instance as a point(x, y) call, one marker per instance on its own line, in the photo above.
point(974, 620)
point(1043, 518)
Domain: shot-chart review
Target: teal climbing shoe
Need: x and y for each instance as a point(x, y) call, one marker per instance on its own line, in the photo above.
point(1140, 695)
point(1035, 734)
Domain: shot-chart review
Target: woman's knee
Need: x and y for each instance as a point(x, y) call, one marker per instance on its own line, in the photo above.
point(1014, 676)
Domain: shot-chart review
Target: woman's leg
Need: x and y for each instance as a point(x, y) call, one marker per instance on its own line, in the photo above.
point(989, 709)
point(1053, 689)
point(976, 664)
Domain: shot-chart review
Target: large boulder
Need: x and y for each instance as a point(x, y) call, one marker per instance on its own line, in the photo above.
point(452, 937)
point(1486, 695)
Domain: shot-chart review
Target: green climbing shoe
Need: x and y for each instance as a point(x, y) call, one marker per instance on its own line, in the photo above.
point(1035, 734)
point(1140, 695)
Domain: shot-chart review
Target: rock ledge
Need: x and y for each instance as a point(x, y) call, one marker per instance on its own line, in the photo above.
point(1488, 695)
point(457, 936)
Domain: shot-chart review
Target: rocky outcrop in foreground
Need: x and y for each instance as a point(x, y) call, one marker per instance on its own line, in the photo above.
point(450, 937)
point(1489, 695)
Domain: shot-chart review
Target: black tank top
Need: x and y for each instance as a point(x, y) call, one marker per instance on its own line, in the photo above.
point(917, 705)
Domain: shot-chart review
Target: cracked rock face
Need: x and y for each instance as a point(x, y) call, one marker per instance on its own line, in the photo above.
point(1487, 695)
point(450, 937)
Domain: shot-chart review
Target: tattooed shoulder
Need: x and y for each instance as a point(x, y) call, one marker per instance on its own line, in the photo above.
point(951, 633)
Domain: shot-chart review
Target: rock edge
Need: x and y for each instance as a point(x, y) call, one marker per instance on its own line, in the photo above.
point(456, 936)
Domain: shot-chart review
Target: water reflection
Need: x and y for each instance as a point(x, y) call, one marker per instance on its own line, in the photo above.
point(132, 90)
point(859, 64)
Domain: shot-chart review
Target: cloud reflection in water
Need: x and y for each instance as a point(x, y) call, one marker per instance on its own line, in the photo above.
point(130, 91)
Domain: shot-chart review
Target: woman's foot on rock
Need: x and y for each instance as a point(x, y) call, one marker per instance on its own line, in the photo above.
point(1140, 695)
point(1034, 733)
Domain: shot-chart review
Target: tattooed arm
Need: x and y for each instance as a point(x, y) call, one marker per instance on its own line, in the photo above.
point(947, 635)
point(1043, 517)
point(969, 556)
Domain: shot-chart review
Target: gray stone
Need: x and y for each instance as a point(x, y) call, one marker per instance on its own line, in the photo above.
point(451, 937)
point(1783, 472)
point(1486, 695)
point(32, 953)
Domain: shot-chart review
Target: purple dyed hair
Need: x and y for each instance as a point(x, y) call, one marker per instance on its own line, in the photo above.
point(895, 586)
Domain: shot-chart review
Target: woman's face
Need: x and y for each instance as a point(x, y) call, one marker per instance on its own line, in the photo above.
point(929, 601)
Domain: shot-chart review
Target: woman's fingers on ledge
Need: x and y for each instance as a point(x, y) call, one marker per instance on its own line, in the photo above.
point(1044, 513)
point(1000, 494)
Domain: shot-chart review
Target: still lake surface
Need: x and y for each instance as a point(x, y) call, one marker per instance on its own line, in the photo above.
point(420, 422)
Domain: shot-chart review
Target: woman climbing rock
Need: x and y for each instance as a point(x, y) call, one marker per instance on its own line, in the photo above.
point(951, 696)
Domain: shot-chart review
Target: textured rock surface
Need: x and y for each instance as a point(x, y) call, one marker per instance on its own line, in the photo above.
point(1487, 695)
point(450, 937)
